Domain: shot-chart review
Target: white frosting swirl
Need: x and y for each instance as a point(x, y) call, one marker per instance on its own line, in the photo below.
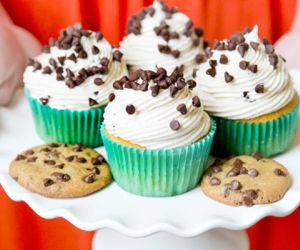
point(141, 51)
point(226, 99)
point(77, 98)
point(149, 126)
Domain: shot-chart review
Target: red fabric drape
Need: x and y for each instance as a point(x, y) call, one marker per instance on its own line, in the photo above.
point(20, 228)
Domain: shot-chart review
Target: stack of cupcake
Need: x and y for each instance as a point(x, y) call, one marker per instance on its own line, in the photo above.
point(156, 131)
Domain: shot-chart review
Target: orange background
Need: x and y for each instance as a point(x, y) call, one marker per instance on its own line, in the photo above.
point(20, 227)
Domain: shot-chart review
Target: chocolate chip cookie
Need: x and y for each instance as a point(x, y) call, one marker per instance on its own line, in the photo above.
point(60, 170)
point(246, 180)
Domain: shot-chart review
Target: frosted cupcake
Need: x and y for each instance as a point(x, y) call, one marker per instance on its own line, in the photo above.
point(163, 37)
point(246, 86)
point(156, 134)
point(68, 85)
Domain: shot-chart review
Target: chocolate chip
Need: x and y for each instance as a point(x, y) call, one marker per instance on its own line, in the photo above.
point(194, 74)
point(235, 185)
point(154, 90)
point(98, 160)
point(242, 48)
point(144, 86)
point(252, 172)
point(89, 179)
point(45, 150)
point(198, 31)
point(60, 77)
point(54, 145)
point(227, 190)
point(70, 83)
point(279, 172)
point(196, 102)
point(259, 88)
point(95, 50)
point(243, 65)
point(48, 182)
point(273, 59)
point(199, 58)
point(117, 56)
point(81, 160)
point(251, 193)
point(92, 102)
point(111, 97)
point(257, 156)
point(49, 162)
point(213, 63)
point(30, 62)
point(165, 49)
point(245, 93)
point(175, 53)
point(46, 49)
point(99, 36)
point(29, 152)
point(173, 90)
point(174, 35)
point(70, 158)
point(72, 57)
point(36, 66)
point(61, 59)
point(191, 83)
point(60, 166)
point(174, 125)
point(130, 109)
point(82, 54)
point(117, 85)
point(247, 201)
point(214, 181)
point(61, 176)
point(254, 45)
point(212, 72)
point(32, 159)
point(269, 49)
point(47, 70)
point(228, 77)
point(95, 170)
point(20, 157)
point(52, 62)
point(44, 100)
point(238, 37)
point(182, 108)
point(238, 163)
point(98, 81)
point(253, 68)
point(78, 148)
point(265, 41)
point(104, 61)
point(223, 59)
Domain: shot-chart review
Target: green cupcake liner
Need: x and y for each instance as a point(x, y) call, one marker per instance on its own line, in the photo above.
point(160, 172)
point(268, 138)
point(67, 126)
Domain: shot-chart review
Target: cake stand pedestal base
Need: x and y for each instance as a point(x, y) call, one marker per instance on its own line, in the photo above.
point(212, 240)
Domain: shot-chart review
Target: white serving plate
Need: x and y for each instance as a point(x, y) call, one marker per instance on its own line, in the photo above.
point(186, 215)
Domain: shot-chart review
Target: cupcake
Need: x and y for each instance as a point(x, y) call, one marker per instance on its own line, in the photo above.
point(163, 37)
point(245, 85)
point(68, 85)
point(156, 134)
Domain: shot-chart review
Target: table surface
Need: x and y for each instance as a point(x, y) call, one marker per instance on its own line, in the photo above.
point(186, 215)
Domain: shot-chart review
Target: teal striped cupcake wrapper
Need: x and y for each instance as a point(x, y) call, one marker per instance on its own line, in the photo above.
point(67, 126)
point(160, 172)
point(268, 138)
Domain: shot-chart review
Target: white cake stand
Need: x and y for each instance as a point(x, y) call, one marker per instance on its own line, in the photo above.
point(125, 221)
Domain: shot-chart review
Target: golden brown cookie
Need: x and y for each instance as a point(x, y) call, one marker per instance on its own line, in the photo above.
point(60, 170)
point(246, 180)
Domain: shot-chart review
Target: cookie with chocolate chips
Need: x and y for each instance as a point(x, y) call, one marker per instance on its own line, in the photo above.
point(60, 170)
point(246, 180)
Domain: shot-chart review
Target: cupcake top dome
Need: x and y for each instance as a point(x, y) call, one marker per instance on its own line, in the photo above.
point(156, 110)
point(76, 71)
point(163, 37)
point(243, 78)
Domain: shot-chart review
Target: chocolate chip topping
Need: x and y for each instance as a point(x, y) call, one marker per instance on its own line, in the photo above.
point(182, 108)
point(111, 97)
point(259, 88)
point(98, 160)
point(32, 159)
point(29, 152)
point(98, 81)
point(49, 162)
point(257, 156)
point(228, 77)
point(247, 201)
point(254, 45)
point(48, 182)
point(273, 59)
point(95, 171)
point(47, 70)
point(175, 125)
point(78, 148)
point(200, 58)
point(92, 102)
point(196, 102)
point(223, 59)
point(90, 178)
point(70, 158)
point(235, 185)
point(253, 68)
point(212, 72)
point(130, 109)
point(279, 172)
point(95, 50)
point(269, 49)
point(20, 157)
point(81, 160)
point(252, 172)
point(243, 65)
point(117, 56)
point(60, 166)
point(242, 48)
point(251, 193)
point(214, 181)
point(61, 176)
